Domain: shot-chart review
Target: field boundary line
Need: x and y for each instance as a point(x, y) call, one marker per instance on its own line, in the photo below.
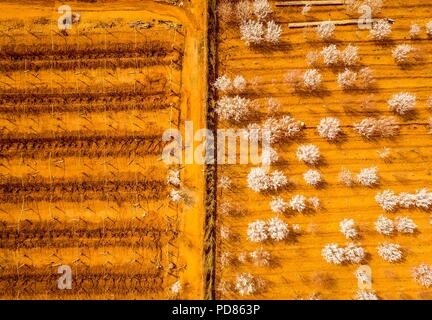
point(209, 246)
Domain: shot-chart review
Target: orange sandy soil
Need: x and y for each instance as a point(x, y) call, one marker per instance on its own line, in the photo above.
point(120, 231)
point(299, 271)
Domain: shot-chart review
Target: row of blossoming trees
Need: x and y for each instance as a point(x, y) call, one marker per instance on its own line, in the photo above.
point(234, 109)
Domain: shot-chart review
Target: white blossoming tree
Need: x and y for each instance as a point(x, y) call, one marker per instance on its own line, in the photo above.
point(348, 228)
point(269, 156)
point(368, 177)
point(277, 229)
point(252, 32)
point(402, 103)
point(333, 253)
point(407, 200)
point(363, 276)
point(347, 79)
point(278, 205)
point(224, 182)
point(261, 257)
point(298, 203)
point(239, 83)
point(173, 178)
point(405, 225)
point(176, 288)
point(402, 54)
point(312, 79)
point(273, 32)
point(422, 274)
point(259, 180)
point(354, 253)
point(176, 195)
point(350, 55)
point(314, 202)
point(233, 109)
point(390, 252)
point(388, 200)
point(278, 180)
point(309, 154)
point(245, 284)
point(384, 127)
point(313, 178)
point(366, 295)
point(346, 178)
point(244, 10)
point(281, 129)
point(222, 83)
point(415, 30)
point(384, 226)
point(262, 9)
point(329, 128)
point(257, 231)
point(366, 78)
point(381, 30)
point(429, 28)
point(423, 199)
point(325, 30)
point(225, 232)
point(330, 54)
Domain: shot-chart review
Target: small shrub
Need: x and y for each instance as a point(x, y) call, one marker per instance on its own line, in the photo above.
point(366, 78)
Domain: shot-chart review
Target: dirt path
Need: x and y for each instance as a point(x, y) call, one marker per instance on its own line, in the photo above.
point(194, 93)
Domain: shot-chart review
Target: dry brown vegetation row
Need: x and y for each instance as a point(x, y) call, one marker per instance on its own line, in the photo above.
point(82, 112)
